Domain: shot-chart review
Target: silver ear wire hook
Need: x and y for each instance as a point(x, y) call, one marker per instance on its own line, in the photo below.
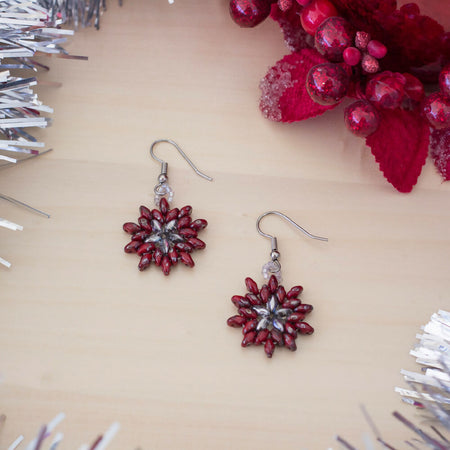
point(274, 267)
point(164, 164)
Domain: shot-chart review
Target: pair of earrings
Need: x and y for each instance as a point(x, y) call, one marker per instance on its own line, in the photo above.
point(269, 316)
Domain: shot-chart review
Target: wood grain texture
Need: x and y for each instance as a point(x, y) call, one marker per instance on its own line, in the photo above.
point(82, 331)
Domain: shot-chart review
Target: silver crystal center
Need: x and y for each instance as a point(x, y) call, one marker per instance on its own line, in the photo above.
point(271, 315)
point(164, 236)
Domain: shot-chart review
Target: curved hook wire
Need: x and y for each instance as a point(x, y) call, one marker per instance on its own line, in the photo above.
point(296, 225)
point(181, 152)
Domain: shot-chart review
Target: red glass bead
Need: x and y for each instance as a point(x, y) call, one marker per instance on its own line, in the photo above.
point(188, 232)
point(304, 308)
point(370, 64)
point(295, 292)
point(249, 13)
point(376, 49)
point(261, 336)
point(248, 313)
point(131, 227)
point(163, 206)
point(269, 348)
point(249, 338)
point(172, 215)
point(144, 262)
point(199, 224)
point(196, 243)
point(145, 224)
point(327, 83)
point(139, 236)
point(437, 110)
point(386, 90)
point(251, 286)
point(236, 321)
point(173, 255)
point(289, 342)
point(290, 329)
point(145, 212)
point(277, 337)
point(304, 328)
point(265, 293)
point(186, 259)
point(250, 326)
point(184, 222)
point(332, 37)
point(183, 247)
point(292, 303)
point(132, 247)
point(157, 257)
point(239, 301)
point(352, 56)
point(362, 39)
point(361, 118)
point(281, 294)
point(146, 248)
point(315, 13)
point(253, 299)
point(296, 317)
point(273, 284)
point(444, 80)
point(157, 215)
point(185, 211)
point(165, 265)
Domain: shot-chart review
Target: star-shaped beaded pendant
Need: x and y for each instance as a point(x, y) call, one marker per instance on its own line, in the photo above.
point(270, 316)
point(164, 236)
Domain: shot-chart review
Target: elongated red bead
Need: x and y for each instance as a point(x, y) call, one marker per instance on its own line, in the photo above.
point(253, 299)
point(250, 326)
point(146, 248)
point(145, 212)
point(196, 243)
point(290, 329)
point(165, 265)
point(145, 224)
point(185, 211)
point(292, 303)
point(269, 348)
point(184, 222)
point(304, 308)
point(172, 215)
point(261, 336)
point(273, 284)
point(131, 227)
point(289, 342)
point(199, 224)
point(173, 255)
point(236, 321)
point(132, 247)
point(157, 215)
point(249, 338)
point(187, 259)
point(183, 247)
point(240, 302)
point(304, 328)
point(140, 236)
point(248, 313)
point(296, 317)
point(295, 292)
point(265, 293)
point(281, 294)
point(144, 262)
point(163, 206)
point(251, 286)
point(277, 337)
point(157, 257)
point(188, 232)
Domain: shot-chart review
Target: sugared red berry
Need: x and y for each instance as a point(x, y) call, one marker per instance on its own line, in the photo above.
point(361, 118)
point(444, 80)
point(437, 110)
point(249, 13)
point(332, 37)
point(376, 49)
point(315, 13)
point(386, 90)
point(352, 56)
point(327, 83)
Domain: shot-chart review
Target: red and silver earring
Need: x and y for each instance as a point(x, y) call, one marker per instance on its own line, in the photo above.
point(270, 316)
point(165, 235)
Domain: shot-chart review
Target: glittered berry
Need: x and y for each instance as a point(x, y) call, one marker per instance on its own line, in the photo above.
point(327, 83)
point(315, 13)
point(444, 80)
point(361, 118)
point(437, 110)
point(362, 40)
point(249, 13)
point(332, 37)
point(370, 64)
point(376, 49)
point(352, 56)
point(386, 90)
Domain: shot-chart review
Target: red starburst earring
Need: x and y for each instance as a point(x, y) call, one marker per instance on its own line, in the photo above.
point(165, 235)
point(269, 315)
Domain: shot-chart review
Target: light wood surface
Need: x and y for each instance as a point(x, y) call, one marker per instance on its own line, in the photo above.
point(82, 331)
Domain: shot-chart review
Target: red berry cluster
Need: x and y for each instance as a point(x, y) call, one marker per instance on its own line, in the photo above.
point(164, 236)
point(269, 316)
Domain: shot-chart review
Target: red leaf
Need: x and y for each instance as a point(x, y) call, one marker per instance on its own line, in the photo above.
point(440, 151)
point(283, 90)
point(400, 146)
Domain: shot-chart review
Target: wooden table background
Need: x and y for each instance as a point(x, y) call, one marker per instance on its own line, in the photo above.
point(82, 331)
